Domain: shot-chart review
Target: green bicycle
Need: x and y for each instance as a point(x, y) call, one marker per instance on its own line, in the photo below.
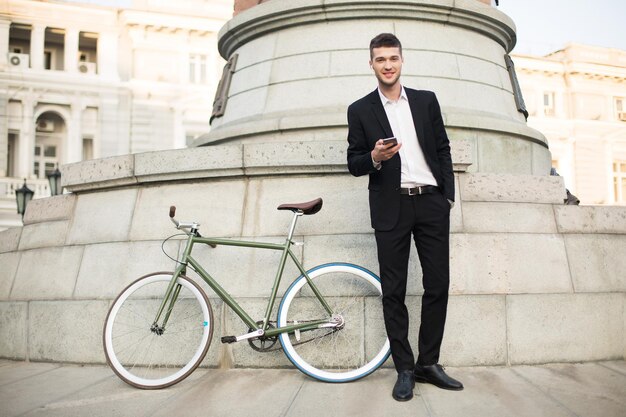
point(330, 326)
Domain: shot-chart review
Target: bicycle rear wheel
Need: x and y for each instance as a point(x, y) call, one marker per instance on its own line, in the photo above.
point(148, 356)
point(343, 354)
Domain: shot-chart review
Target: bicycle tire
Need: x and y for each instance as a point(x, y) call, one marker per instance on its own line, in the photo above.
point(138, 354)
point(331, 355)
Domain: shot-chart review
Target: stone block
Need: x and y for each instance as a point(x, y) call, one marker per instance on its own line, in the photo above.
point(475, 331)
point(203, 162)
point(564, 327)
point(217, 205)
point(115, 170)
point(456, 40)
point(216, 356)
point(541, 161)
point(345, 208)
point(512, 188)
point(295, 154)
point(77, 335)
point(107, 268)
point(500, 263)
point(462, 150)
point(48, 273)
point(504, 155)
point(591, 219)
point(477, 70)
point(59, 207)
point(244, 105)
point(597, 262)
point(251, 77)
point(102, 217)
point(350, 63)
point(256, 50)
point(13, 317)
point(9, 262)
point(304, 39)
point(426, 63)
point(298, 67)
point(10, 239)
point(41, 235)
point(481, 217)
point(246, 272)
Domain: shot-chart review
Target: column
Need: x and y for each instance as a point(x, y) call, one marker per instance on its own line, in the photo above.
point(37, 41)
point(70, 63)
point(73, 148)
point(180, 140)
point(5, 26)
point(26, 141)
point(4, 136)
point(107, 55)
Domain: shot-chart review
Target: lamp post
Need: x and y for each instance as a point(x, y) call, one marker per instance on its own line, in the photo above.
point(23, 197)
point(54, 178)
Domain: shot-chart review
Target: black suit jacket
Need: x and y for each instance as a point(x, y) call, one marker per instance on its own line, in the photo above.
point(367, 122)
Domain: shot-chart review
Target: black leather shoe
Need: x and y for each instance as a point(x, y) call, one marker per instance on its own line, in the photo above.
point(434, 374)
point(403, 390)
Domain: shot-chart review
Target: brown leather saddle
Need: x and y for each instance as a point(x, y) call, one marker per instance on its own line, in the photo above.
point(310, 207)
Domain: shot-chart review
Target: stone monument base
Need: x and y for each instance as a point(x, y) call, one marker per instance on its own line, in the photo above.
point(533, 281)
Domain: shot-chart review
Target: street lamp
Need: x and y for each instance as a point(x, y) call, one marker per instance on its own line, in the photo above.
point(54, 178)
point(23, 197)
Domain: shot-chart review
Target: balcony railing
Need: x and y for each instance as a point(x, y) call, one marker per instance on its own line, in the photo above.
point(9, 185)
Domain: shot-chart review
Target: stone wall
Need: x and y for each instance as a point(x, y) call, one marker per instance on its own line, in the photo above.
point(533, 281)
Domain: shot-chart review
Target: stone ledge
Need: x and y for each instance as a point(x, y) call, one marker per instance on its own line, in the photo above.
point(109, 172)
point(272, 16)
point(591, 219)
point(512, 188)
point(60, 207)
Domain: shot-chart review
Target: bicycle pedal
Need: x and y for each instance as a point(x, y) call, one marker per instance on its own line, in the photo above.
point(229, 339)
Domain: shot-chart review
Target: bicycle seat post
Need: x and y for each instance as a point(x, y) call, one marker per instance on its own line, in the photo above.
point(296, 214)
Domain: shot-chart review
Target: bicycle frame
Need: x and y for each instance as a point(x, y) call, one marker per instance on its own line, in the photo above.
point(187, 259)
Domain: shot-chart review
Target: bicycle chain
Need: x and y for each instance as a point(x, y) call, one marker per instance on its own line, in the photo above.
point(280, 346)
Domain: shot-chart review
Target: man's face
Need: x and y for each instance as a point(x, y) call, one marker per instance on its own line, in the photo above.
point(387, 65)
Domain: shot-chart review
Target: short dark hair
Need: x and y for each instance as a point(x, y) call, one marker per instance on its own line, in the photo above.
point(387, 40)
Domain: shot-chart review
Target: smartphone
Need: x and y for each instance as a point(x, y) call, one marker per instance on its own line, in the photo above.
point(392, 139)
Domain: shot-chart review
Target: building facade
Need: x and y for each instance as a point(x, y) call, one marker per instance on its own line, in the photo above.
point(577, 98)
point(83, 80)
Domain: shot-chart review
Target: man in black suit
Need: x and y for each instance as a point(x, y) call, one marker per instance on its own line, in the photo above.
point(411, 192)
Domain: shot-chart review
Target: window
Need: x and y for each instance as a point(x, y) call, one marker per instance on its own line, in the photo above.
point(198, 69)
point(619, 181)
point(548, 103)
point(620, 108)
point(87, 149)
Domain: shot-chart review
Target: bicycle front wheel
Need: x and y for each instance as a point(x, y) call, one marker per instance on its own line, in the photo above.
point(348, 352)
point(153, 355)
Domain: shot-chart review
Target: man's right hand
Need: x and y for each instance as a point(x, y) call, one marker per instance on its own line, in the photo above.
point(382, 152)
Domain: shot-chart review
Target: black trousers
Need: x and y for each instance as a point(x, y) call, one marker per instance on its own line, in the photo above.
point(427, 218)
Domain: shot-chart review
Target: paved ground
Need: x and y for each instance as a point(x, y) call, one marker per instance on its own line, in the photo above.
point(585, 390)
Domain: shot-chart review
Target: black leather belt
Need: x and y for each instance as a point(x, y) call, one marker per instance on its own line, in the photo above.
point(424, 189)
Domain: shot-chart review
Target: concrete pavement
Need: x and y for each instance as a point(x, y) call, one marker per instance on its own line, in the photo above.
point(567, 390)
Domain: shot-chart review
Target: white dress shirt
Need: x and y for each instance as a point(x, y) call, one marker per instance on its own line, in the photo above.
point(414, 169)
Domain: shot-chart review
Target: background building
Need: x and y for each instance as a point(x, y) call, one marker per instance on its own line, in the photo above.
point(577, 98)
point(81, 81)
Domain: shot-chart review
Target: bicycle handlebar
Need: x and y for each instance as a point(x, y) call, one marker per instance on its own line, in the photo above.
point(182, 225)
